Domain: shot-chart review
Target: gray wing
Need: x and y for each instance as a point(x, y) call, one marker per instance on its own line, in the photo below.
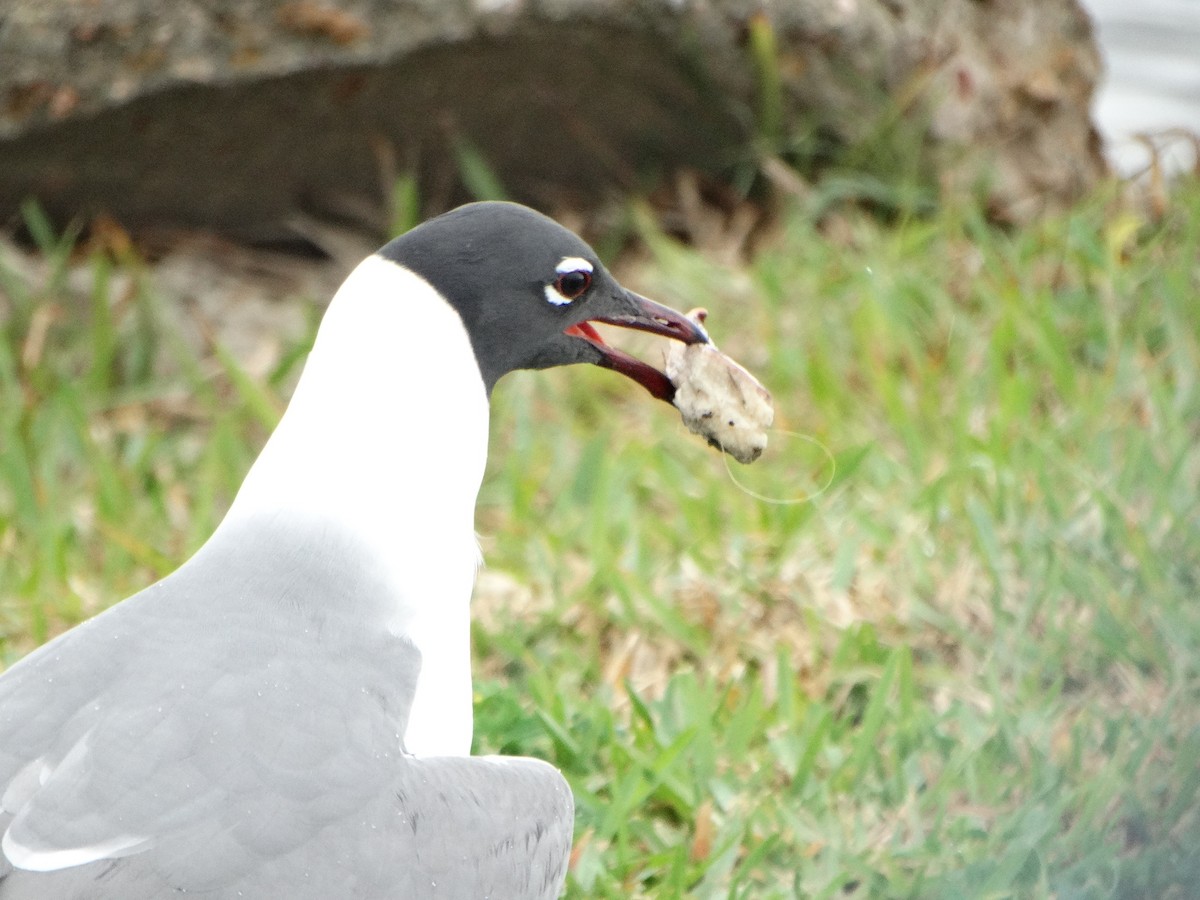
point(249, 740)
point(457, 828)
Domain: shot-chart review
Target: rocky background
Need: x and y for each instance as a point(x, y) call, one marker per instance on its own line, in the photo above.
point(245, 117)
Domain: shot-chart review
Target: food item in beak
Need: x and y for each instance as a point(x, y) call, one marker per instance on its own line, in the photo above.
point(718, 399)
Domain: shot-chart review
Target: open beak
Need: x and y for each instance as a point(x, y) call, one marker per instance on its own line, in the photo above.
point(642, 315)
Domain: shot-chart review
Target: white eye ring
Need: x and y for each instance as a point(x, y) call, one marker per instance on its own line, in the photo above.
point(573, 264)
point(568, 267)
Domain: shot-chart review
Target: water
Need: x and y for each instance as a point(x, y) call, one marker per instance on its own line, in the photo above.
point(1151, 52)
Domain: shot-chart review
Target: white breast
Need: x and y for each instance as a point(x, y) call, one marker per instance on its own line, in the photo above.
point(386, 439)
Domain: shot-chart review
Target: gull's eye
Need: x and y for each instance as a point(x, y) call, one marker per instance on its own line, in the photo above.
point(573, 276)
point(572, 284)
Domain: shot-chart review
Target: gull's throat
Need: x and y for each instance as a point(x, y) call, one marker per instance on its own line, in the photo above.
point(385, 442)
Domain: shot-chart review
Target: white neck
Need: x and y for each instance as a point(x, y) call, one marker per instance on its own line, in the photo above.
point(385, 439)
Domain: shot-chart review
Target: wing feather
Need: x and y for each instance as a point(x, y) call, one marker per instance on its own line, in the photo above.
point(199, 742)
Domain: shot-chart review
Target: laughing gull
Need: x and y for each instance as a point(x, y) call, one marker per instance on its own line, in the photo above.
point(289, 713)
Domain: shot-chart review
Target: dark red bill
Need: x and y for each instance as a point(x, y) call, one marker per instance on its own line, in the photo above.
point(644, 315)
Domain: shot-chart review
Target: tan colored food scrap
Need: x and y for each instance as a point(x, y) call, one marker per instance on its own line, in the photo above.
point(718, 399)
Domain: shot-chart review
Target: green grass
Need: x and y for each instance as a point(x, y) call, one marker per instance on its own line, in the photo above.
point(970, 667)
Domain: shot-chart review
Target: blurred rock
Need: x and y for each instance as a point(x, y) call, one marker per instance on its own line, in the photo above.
point(238, 115)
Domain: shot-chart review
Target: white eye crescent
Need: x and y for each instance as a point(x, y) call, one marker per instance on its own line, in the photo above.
point(574, 277)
